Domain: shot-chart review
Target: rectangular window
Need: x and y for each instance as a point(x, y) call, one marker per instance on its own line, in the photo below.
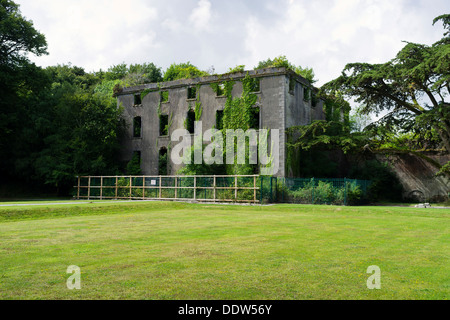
point(219, 89)
point(190, 121)
point(291, 85)
point(255, 85)
point(219, 119)
point(137, 99)
point(192, 93)
point(254, 121)
point(137, 127)
point(163, 125)
point(306, 94)
point(314, 100)
point(162, 163)
point(164, 95)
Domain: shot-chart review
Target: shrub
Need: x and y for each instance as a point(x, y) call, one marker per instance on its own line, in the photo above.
point(354, 193)
point(323, 192)
point(384, 186)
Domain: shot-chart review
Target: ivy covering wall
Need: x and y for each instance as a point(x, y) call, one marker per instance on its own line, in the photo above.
point(239, 113)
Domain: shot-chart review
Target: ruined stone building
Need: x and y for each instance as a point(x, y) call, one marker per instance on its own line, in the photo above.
point(284, 99)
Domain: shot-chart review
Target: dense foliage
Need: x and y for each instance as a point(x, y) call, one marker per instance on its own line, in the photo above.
point(182, 71)
point(61, 121)
point(239, 113)
point(282, 61)
point(410, 92)
point(58, 122)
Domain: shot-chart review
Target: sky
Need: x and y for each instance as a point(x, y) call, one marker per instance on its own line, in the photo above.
point(217, 35)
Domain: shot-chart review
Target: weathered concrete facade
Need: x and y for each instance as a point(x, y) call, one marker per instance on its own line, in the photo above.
point(281, 100)
point(418, 177)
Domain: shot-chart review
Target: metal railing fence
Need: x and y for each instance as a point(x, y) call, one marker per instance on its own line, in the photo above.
point(243, 188)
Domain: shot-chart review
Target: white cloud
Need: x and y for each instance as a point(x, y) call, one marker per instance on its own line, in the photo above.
point(172, 25)
point(89, 33)
point(201, 15)
point(324, 35)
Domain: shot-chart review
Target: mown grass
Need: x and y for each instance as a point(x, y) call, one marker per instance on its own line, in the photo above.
point(157, 250)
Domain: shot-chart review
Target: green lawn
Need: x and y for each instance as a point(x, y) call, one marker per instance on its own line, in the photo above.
point(156, 250)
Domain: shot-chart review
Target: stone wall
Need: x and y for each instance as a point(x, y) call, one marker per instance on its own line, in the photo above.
point(418, 177)
point(279, 106)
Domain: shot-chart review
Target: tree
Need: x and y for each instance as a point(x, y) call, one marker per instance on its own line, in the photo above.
point(20, 81)
point(116, 72)
point(282, 61)
point(277, 62)
point(59, 122)
point(411, 90)
point(17, 36)
point(134, 74)
point(122, 75)
point(78, 130)
point(182, 71)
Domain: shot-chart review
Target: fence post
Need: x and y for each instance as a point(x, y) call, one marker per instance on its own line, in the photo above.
point(313, 188)
point(160, 191)
point(131, 182)
point(143, 187)
point(254, 188)
point(101, 188)
point(214, 190)
point(176, 187)
point(117, 185)
point(195, 187)
point(78, 189)
point(261, 178)
point(89, 188)
point(235, 188)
